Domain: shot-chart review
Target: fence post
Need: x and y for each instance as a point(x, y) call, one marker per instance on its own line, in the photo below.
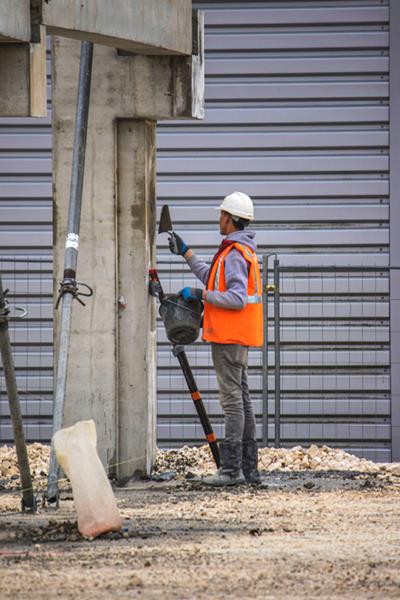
point(265, 353)
point(277, 346)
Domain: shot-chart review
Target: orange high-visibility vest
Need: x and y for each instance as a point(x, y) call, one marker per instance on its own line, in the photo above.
point(228, 326)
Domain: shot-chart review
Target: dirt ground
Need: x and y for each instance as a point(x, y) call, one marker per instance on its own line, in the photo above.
point(302, 535)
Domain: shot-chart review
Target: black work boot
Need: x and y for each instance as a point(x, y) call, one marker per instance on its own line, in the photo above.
point(250, 462)
point(230, 472)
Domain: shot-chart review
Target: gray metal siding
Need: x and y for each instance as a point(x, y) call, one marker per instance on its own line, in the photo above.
point(297, 116)
point(26, 232)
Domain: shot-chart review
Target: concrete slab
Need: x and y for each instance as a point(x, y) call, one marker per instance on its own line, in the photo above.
point(15, 21)
point(140, 26)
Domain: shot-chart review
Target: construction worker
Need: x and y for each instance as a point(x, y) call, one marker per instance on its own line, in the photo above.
point(233, 321)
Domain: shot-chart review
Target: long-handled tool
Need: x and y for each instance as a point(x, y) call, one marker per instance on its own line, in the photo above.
point(178, 350)
point(28, 498)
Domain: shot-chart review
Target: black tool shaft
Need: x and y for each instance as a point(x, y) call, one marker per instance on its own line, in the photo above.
point(200, 408)
point(156, 289)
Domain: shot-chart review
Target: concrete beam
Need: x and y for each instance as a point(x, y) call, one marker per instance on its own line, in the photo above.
point(15, 21)
point(140, 26)
point(149, 88)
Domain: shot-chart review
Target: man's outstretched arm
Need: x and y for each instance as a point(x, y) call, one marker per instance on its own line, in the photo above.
point(197, 266)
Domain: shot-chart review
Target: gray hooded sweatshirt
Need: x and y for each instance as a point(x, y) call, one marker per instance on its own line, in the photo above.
point(236, 273)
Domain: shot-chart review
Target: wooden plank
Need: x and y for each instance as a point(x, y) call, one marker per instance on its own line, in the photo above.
point(38, 76)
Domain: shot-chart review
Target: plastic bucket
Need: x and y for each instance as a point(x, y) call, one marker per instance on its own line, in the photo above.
point(182, 319)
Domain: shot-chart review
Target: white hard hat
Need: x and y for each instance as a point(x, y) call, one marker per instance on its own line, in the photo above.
point(238, 204)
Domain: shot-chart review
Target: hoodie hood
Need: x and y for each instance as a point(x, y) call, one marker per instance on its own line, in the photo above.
point(244, 237)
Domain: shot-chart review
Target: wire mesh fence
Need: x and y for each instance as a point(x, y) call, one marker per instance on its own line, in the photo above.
point(334, 363)
point(334, 359)
point(29, 281)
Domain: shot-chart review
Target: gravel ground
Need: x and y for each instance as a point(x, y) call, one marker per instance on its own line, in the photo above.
point(304, 534)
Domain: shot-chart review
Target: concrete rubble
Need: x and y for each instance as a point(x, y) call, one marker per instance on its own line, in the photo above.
point(196, 461)
point(317, 458)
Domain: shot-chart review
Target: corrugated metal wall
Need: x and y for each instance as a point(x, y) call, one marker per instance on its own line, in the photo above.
point(296, 116)
point(26, 266)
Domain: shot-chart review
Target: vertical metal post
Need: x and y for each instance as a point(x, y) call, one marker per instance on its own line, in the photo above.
point(265, 352)
point(277, 346)
point(71, 250)
point(28, 499)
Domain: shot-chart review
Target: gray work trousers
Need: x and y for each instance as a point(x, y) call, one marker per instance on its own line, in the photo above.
point(230, 364)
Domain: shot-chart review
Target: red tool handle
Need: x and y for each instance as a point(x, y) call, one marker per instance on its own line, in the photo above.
point(155, 285)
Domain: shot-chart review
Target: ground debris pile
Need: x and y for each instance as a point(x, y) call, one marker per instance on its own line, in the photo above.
point(189, 462)
point(38, 460)
point(198, 461)
point(320, 458)
point(184, 461)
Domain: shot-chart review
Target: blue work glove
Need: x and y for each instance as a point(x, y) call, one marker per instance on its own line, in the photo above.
point(189, 293)
point(181, 248)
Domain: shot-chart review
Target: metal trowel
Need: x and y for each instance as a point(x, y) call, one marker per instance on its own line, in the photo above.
point(165, 226)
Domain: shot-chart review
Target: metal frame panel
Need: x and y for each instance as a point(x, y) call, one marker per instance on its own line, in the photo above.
point(394, 222)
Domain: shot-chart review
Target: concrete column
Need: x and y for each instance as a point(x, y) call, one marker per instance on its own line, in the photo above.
point(111, 376)
point(92, 376)
point(136, 339)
